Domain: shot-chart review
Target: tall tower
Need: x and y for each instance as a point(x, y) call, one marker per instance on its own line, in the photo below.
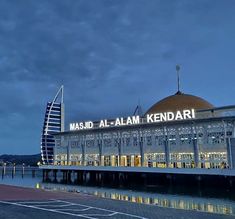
point(53, 123)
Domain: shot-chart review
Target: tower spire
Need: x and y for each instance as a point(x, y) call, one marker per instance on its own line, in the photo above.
point(178, 78)
point(60, 91)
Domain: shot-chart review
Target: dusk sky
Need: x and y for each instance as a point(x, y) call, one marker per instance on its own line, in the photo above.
point(108, 54)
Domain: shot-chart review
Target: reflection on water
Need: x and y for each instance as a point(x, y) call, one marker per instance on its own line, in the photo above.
point(211, 205)
point(33, 178)
point(21, 176)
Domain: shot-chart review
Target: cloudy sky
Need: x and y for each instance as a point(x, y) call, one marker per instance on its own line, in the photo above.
point(108, 54)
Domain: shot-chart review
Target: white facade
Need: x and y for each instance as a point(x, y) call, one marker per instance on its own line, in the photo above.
point(206, 141)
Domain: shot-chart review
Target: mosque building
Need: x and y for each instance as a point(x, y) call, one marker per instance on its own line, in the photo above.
point(179, 131)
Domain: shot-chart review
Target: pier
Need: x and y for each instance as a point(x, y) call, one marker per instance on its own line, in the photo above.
point(19, 169)
point(138, 176)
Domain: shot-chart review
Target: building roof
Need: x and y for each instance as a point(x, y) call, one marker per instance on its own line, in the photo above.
point(179, 101)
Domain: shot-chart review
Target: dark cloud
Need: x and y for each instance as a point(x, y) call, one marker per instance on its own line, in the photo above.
point(108, 54)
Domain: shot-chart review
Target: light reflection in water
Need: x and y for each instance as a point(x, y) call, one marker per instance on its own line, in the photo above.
point(210, 205)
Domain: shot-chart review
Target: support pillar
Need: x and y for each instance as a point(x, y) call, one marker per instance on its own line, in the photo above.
point(79, 177)
point(43, 175)
point(69, 176)
point(84, 177)
point(65, 179)
point(46, 175)
point(54, 175)
point(33, 173)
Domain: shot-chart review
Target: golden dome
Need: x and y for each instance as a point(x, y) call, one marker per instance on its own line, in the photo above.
point(179, 101)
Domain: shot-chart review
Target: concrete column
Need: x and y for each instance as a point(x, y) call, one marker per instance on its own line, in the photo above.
point(79, 177)
point(55, 151)
point(229, 143)
point(43, 175)
point(131, 140)
point(132, 160)
point(55, 175)
point(196, 153)
point(84, 177)
point(102, 160)
point(167, 152)
point(119, 148)
point(152, 139)
point(100, 142)
point(112, 141)
point(68, 154)
point(47, 177)
point(33, 173)
point(141, 146)
point(69, 176)
point(64, 176)
point(83, 154)
point(83, 150)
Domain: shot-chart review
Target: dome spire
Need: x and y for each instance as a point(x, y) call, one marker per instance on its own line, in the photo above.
point(138, 110)
point(178, 79)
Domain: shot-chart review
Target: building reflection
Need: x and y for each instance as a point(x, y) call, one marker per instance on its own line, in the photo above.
point(210, 205)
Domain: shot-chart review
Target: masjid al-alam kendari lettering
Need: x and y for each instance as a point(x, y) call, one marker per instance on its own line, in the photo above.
point(179, 131)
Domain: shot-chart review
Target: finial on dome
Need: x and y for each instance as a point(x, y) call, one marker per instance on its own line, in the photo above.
point(178, 79)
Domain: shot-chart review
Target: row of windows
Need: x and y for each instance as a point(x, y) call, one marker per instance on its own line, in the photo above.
point(150, 160)
point(52, 124)
point(50, 152)
point(134, 142)
point(219, 156)
point(54, 120)
point(50, 157)
point(53, 129)
point(56, 108)
point(47, 137)
point(49, 148)
point(53, 113)
point(48, 144)
point(52, 117)
point(213, 137)
point(53, 110)
point(54, 104)
point(48, 140)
